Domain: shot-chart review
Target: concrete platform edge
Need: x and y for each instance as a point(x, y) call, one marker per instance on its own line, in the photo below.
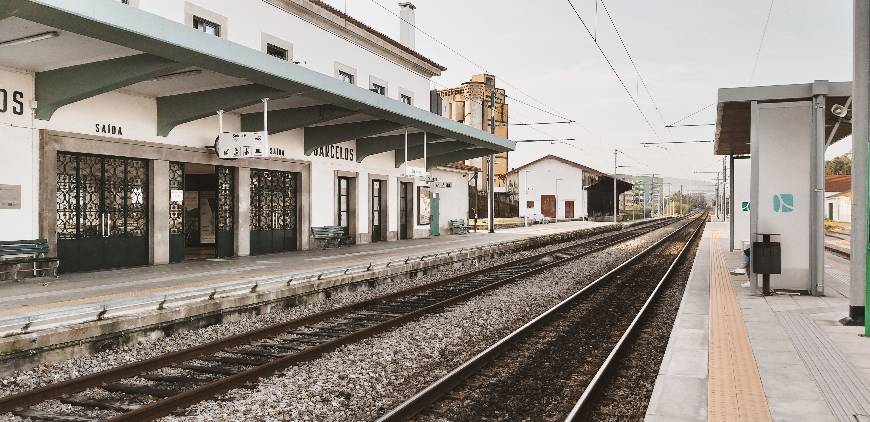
point(680, 392)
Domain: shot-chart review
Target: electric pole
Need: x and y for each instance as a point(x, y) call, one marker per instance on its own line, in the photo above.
point(491, 166)
point(615, 205)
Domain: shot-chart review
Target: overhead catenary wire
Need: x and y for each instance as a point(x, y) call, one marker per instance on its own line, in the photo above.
point(613, 69)
point(552, 110)
point(761, 42)
point(633, 63)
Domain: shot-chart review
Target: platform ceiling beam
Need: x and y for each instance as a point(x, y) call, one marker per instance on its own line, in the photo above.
point(432, 150)
point(320, 136)
point(174, 110)
point(60, 87)
point(452, 157)
point(366, 147)
point(294, 118)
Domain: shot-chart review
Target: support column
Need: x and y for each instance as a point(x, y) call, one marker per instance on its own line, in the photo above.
point(860, 137)
point(158, 219)
point(817, 182)
point(242, 223)
point(731, 202)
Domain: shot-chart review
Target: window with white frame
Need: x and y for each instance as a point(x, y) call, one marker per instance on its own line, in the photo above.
point(347, 77)
point(275, 51)
point(406, 99)
point(206, 26)
point(378, 89)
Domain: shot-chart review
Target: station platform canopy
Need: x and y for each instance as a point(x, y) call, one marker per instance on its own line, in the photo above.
point(733, 115)
point(88, 48)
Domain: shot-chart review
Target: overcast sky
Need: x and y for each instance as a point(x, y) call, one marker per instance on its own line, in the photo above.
point(685, 50)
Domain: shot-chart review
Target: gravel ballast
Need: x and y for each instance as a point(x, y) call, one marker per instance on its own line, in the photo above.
point(365, 379)
point(59, 371)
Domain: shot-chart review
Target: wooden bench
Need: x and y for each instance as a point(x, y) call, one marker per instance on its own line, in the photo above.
point(331, 236)
point(15, 253)
point(458, 226)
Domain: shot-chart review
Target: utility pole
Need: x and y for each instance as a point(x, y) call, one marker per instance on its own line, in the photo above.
point(615, 205)
point(491, 166)
point(724, 200)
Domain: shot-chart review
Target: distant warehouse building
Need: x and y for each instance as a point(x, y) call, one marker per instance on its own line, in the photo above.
point(110, 113)
point(838, 197)
point(555, 187)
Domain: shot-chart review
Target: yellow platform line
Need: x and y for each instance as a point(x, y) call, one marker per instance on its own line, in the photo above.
point(734, 392)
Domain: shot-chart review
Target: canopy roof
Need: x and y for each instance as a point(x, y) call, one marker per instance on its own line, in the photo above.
point(103, 45)
point(733, 117)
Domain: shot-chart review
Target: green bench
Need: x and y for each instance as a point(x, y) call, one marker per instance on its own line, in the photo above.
point(15, 253)
point(458, 226)
point(331, 236)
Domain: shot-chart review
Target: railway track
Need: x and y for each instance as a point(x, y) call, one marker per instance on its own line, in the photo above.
point(156, 387)
point(536, 371)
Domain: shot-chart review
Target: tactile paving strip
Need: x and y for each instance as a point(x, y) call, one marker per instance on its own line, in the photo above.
point(734, 392)
point(844, 390)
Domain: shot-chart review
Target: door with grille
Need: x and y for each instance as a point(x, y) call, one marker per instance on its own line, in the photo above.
point(102, 212)
point(273, 211)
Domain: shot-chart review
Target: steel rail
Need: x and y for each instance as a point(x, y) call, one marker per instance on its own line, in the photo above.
point(28, 398)
point(167, 405)
point(423, 399)
point(585, 398)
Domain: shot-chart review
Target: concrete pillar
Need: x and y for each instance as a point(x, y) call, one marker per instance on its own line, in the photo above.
point(242, 222)
point(817, 213)
point(860, 137)
point(158, 221)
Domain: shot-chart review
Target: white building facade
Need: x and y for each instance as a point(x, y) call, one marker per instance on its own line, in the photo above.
point(129, 164)
point(555, 187)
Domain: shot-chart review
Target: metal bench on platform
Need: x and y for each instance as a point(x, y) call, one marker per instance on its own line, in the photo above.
point(458, 226)
point(331, 236)
point(14, 253)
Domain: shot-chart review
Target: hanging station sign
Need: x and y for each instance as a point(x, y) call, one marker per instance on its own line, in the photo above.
point(415, 171)
point(231, 145)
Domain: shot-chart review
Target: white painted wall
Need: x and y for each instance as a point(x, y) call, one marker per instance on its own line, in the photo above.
point(454, 200)
point(18, 150)
point(842, 207)
point(540, 179)
point(247, 21)
point(137, 116)
point(784, 130)
point(742, 175)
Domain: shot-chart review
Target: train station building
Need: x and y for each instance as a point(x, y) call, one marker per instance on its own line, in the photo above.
point(110, 110)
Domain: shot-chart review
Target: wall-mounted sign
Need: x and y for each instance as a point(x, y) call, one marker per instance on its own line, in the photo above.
point(415, 171)
point(334, 151)
point(783, 202)
point(10, 197)
point(423, 205)
point(11, 102)
point(242, 145)
point(744, 206)
point(176, 195)
point(277, 152)
point(108, 129)
point(442, 185)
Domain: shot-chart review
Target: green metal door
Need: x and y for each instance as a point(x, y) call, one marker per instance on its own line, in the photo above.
point(273, 211)
point(225, 214)
point(176, 212)
point(434, 226)
point(102, 212)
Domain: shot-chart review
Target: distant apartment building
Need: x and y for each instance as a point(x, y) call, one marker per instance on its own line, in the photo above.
point(471, 104)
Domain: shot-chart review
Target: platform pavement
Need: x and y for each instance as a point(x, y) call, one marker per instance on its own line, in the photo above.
point(811, 368)
point(33, 296)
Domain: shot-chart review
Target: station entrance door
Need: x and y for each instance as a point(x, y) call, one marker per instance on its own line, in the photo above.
point(274, 199)
point(102, 212)
point(201, 211)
